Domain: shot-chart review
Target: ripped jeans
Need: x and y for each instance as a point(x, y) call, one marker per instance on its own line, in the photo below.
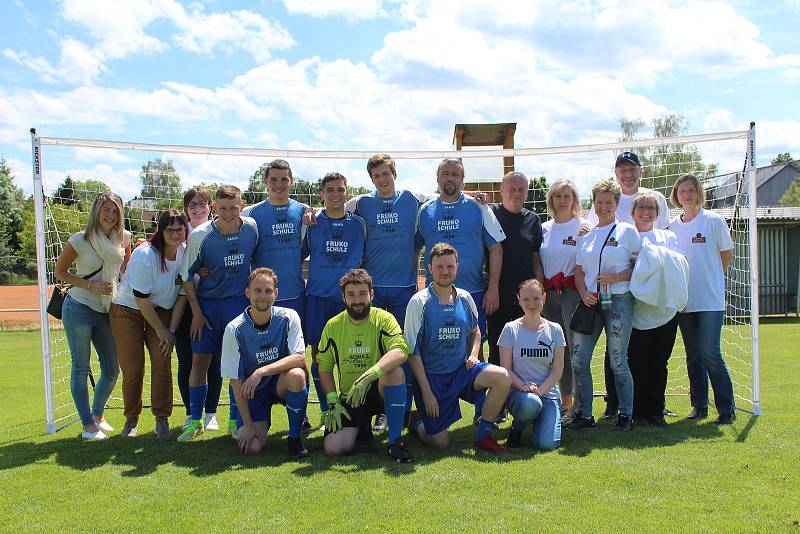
point(617, 322)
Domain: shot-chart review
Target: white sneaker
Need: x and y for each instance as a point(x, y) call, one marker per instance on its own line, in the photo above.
point(187, 422)
point(210, 422)
point(104, 426)
point(93, 436)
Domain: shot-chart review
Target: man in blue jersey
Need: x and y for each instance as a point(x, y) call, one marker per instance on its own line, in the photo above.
point(263, 355)
point(333, 246)
point(225, 247)
point(441, 330)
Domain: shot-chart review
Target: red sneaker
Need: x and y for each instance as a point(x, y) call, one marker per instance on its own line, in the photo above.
point(488, 443)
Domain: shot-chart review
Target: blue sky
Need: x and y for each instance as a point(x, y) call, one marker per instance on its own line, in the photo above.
point(382, 75)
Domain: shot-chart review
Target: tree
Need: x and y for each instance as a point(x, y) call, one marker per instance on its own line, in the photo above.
point(783, 157)
point(11, 199)
point(791, 197)
point(537, 196)
point(160, 181)
point(665, 164)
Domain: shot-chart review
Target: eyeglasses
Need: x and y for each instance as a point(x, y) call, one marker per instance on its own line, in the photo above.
point(175, 231)
point(644, 207)
point(197, 205)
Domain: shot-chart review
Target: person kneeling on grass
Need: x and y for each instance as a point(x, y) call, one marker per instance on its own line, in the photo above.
point(532, 350)
point(263, 355)
point(367, 346)
point(442, 328)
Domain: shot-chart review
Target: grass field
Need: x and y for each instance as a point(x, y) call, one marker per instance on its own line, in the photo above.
point(688, 477)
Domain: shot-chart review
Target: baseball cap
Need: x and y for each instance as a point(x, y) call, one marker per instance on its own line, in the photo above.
point(628, 156)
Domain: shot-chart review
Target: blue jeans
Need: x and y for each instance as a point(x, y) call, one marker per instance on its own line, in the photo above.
point(617, 322)
point(701, 332)
point(545, 413)
point(82, 326)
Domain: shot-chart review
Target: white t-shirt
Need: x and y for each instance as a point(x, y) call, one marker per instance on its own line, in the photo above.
point(86, 262)
point(626, 204)
point(144, 275)
point(532, 352)
point(702, 239)
point(559, 246)
point(618, 255)
point(645, 316)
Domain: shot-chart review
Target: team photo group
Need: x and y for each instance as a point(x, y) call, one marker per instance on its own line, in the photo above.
point(229, 297)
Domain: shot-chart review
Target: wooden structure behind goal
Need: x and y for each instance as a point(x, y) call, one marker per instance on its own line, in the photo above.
point(487, 135)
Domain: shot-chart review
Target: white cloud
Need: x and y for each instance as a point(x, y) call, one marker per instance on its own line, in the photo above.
point(79, 64)
point(352, 10)
point(718, 120)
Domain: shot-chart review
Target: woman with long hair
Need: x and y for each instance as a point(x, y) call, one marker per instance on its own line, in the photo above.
point(99, 254)
point(142, 315)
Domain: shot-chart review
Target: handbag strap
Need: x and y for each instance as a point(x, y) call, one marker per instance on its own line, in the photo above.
point(94, 273)
point(600, 261)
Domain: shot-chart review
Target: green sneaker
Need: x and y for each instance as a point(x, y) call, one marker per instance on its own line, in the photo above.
point(233, 428)
point(195, 428)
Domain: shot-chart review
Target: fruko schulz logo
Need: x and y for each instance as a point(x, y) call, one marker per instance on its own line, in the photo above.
point(699, 238)
point(570, 241)
point(613, 242)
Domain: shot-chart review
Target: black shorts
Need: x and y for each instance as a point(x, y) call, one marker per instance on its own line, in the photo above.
point(361, 417)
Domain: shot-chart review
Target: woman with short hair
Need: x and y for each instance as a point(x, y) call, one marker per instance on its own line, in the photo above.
point(99, 253)
point(706, 241)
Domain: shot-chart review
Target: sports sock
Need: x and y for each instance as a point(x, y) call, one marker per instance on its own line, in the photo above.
point(394, 406)
point(409, 387)
point(296, 409)
point(323, 402)
point(234, 412)
point(197, 398)
point(484, 428)
point(480, 398)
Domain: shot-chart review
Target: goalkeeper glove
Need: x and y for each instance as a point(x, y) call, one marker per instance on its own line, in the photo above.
point(358, 391)
point(332, 419)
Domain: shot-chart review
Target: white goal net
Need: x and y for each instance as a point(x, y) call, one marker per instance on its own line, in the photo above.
point(69, 173)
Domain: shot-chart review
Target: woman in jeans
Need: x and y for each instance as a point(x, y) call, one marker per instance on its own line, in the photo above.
point(560, 236)
point(616, 244)
point(706, 242)
point(142, 315)
point(103, 248)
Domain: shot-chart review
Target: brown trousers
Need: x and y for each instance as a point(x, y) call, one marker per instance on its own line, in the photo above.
point(131, 333)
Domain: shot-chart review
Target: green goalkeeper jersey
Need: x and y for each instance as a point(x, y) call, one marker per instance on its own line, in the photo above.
point(355, 348)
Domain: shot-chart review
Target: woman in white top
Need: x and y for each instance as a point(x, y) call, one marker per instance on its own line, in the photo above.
point(604, 265)
point(653, 333)
point(101, 251)
point(560, 236)
point(532, 351)
point(142, 315)
point(706, 242)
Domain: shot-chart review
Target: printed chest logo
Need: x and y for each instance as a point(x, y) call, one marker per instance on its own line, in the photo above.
point(283, 230)
point(336, 247)
point(359, 355)
point(234, 259)
point(569, 241)
point(266, 353)
point(541, 350)
point(448, 225)
point(449, 332)
point(387, 218)
point(699, 238)
point(612, 242)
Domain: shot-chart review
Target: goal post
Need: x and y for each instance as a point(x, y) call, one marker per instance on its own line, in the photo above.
point(118, 162)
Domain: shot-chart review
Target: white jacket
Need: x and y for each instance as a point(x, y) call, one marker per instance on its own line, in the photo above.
point(659, 283)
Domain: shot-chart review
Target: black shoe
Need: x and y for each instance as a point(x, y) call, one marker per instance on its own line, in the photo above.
point(582, 422)
point(657, 420)
point(514, 440)
point(296, 448)
point(669, 413)
point(476, 420)
point(698, 413)
point(610, 413)
point(306, 429)
point(725, 418)
point(624, 423)
point(399, 451)
point(640, 421)
point(380, 424)
point(501, 418)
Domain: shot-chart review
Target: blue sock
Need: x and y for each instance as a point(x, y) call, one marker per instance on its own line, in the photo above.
point(323, 402)
point(197, 398)
point(480, 398)
point(484, 428)
point(394, 406)
point(295, 409)
point(409, 386)
point(234, 412)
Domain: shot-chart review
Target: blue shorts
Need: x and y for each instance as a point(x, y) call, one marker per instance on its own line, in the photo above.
point(260, 405)
point(477, 296)
point(218, 312)
point(298, 304)
point(394, 300)
point(318, 311)
point(448, 389)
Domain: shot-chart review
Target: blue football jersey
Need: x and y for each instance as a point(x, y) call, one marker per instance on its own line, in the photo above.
point(228, 258)
point(467, 226)
point(333, 247)
point(391, 237)
point(246, 347)
point(438, 333)
point(280, 240)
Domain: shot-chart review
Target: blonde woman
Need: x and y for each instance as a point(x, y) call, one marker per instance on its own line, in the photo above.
point(101, 250)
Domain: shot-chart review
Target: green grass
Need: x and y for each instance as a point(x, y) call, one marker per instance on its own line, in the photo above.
point(689, 477)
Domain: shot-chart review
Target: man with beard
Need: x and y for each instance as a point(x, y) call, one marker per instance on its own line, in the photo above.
point(367, 348)
point(263, 355)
